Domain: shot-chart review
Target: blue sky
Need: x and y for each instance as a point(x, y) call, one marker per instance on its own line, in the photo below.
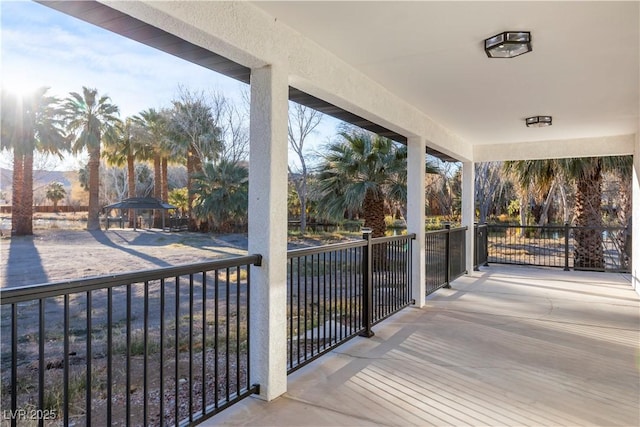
point(43, 47)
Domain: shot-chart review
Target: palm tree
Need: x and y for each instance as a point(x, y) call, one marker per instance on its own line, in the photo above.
point(195, 136)
point(222, 194)
point(91, 118)
point(31, 122)
point(126, 148)
point(586, 173)
point(154, 125)
point(55, 193)
point(358, 174)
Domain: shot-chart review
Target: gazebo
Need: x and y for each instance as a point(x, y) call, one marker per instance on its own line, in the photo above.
point(140, 203)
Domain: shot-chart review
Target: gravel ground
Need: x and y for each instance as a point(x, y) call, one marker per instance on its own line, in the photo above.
point(55, 255)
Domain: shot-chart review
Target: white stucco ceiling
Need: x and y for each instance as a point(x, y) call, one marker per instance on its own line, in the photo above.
point(584, 68)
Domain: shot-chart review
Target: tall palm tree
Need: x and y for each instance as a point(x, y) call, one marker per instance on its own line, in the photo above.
point(91, 119)
point(586, 173)
point(195, 136)
point(154, 125)
point(222, 194)
point(358, 173)
point(30, 122)
point(126, 148)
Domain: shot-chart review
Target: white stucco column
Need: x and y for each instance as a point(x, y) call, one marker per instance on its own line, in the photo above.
point(635, 219)
point(416, 163)
point(268, 229)
point(468, 210)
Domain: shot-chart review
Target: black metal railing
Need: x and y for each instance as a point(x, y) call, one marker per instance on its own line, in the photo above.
point(564, 246)
point(445, 256)
point(159, 347)
point(480, 255)
point(336, 292)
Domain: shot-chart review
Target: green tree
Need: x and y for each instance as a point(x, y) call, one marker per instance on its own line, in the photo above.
point(55, 193)
point(91, 118)
point(179, 197)
point(31, 122)
point(195, 136)
point(222, 194)
point(125, 148)
point(586, 173)
point(154, 125)
point(358, 173)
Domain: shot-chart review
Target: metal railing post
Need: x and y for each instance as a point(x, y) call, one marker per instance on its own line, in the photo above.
point(447, 250)
point(566, 246)
point(367, 283)
point(485, 242)
point(476, 231)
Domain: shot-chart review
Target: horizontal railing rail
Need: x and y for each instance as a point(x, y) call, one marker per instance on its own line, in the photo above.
point(563, 246)
point(445, 257)
point(336, 292)
point(159, 347)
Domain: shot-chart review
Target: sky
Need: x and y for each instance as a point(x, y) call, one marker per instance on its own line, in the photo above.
point(43, 47)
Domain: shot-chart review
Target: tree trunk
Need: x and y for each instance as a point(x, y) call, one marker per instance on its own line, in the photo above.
point(191, 154)
point(373, 213)
point(17, 214)
point(93, 220)
point(523, 213)
point(27, 194)
point(157, 189)
point(589, 253)
point(165, 180)
point(131, 182)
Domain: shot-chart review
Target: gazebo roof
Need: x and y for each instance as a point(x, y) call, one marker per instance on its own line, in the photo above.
point(140, 203)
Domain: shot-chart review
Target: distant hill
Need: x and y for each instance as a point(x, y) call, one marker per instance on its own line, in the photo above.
point(41, 179)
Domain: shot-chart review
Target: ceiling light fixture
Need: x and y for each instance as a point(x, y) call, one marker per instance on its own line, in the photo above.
point(508, 44)
point(538, 121)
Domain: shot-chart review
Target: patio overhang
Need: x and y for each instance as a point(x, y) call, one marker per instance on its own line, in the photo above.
point(339, 57)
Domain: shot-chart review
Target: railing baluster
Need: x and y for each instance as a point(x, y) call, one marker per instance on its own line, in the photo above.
point(145, 370)
point(190, 379)
point(67, 354)
point(238, 331)
point(128, 357)
point(216, 336)
point(41, 332)
point(227, 332)
point(176, 354)
point(88, 371)
point(203, 389)
point(109, 355)
point(162, 348)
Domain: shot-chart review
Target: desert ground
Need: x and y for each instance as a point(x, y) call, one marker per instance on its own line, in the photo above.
point(60, 255)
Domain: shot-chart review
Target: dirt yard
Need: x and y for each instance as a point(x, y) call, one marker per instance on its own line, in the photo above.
point(57, 254)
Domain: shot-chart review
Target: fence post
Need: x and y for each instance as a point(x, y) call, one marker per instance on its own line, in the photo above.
point(367, 283)
point(476, 264)
point(485, 242)
point(566, 246)
point(447, 250)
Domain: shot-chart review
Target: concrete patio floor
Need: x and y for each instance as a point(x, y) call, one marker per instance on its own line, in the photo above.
point(504, 346)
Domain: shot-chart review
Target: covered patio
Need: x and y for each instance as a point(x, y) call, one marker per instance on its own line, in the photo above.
point(503, 346)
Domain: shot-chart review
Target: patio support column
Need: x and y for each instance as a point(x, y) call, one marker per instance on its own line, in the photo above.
point(635, 218)
point(416, 164)
point(468, 210)
point(268, 229)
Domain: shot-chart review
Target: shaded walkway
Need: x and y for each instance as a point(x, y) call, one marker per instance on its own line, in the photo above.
point(505, 346)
